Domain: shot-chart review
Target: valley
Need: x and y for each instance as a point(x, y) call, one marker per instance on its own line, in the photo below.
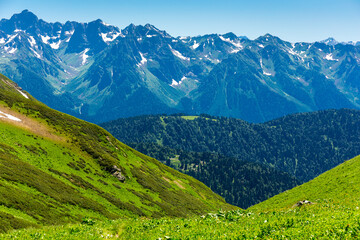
point(239, 160)
point(136, 133)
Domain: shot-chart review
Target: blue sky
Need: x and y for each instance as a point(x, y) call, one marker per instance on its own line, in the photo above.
point(294, 21)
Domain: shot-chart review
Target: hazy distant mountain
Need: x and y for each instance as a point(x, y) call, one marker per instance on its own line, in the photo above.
point(331, 41)
point(99, 72)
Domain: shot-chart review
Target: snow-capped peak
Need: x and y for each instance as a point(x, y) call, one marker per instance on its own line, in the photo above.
point(105, 24)
point(330, 41)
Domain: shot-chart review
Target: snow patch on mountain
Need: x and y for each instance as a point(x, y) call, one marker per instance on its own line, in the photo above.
point(174, 83)
point(36, 53)
point(142, 61)
point(13, 50)
point(32, 41)
point(292, 52)
point(84, 56)
point(105, 24)
point(330, 57)
point(195, 45)
point(8, 116)
point(235, 50)
point(10, 50)
point(238, 45)
point(55, 45)
point(264, 70)
point(24, 95)
point(45, 39)
point(69, 34)
point(112, 37)
point(178, 54)
point(267, 73)
point(11, 38)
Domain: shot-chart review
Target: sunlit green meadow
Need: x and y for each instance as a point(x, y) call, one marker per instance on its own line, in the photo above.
point(318, 221)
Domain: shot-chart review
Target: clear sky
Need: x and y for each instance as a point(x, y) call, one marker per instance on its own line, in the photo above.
point(294, 21)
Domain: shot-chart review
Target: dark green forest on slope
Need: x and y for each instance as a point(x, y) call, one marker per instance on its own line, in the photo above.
point(241, 183)
point(302, 145)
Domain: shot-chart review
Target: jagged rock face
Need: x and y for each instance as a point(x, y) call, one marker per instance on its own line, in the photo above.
point(98, 72)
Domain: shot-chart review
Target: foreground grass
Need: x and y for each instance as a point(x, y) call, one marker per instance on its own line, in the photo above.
point(323, 220)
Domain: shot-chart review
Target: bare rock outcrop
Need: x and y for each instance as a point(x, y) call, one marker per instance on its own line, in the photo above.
point(116, 172)
point(302, 203)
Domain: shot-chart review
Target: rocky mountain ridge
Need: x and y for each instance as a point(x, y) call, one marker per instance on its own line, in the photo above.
point(98, 72)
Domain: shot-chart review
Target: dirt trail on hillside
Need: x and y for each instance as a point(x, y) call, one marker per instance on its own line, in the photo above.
point(30, 125)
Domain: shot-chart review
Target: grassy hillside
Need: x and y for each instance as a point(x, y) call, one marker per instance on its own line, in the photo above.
point(56, 169)
point(340, 185)
point(334, 214)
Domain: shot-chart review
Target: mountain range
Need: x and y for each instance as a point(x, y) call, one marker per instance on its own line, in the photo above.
point(98, 72)
point(56, 169)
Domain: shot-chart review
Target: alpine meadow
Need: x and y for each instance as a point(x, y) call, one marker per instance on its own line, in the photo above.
point(137, 131)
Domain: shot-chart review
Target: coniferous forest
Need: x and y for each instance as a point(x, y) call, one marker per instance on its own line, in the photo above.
point(241, 183)
point(222, 152)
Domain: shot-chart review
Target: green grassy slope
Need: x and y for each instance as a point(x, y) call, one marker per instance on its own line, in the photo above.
point(56, 169)
point(334, 214)
point(340, 185)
